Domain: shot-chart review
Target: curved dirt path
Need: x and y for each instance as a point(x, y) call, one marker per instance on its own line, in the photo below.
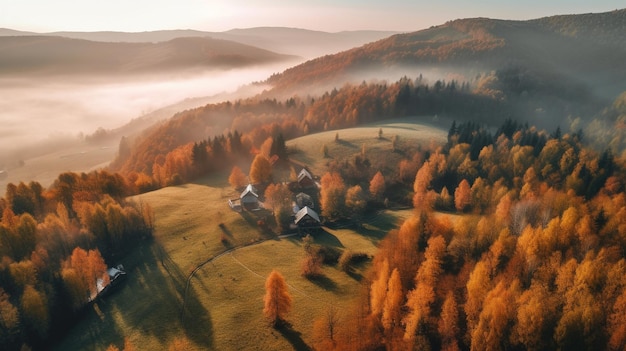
point(210, 259)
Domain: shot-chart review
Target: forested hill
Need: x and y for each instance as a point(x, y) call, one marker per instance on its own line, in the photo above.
point(589, 48)
point(58, 55)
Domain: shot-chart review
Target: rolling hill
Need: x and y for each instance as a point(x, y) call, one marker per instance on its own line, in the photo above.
point(292, 41)
point(58, 55)
point(587, 49)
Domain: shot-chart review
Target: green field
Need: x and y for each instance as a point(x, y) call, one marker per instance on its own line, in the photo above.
point(410, 132)
point(225, 300)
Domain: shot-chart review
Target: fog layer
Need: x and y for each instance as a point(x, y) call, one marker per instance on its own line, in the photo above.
point(44, 109)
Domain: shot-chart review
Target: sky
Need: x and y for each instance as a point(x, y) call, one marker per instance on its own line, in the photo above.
point(325, 15)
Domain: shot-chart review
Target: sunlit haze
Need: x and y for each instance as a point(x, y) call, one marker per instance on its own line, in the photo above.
point(326, 15)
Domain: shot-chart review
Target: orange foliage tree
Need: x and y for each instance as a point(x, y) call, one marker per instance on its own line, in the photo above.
point(81, 273)
point(237, 179)
point(377, 186)
point(277, 299)
point(260, 170)
point(332, 195)
point(462, 196)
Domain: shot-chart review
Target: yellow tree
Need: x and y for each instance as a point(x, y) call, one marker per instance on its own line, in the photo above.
point(260, 170)
point(393, 302)
point(495, 320)
point(332, 195)
point(617, 324)
point(82, 272)
point(478, 286)
point(421, 298)
point(277, 299)
point(536, 309)
point(237, 178)
point(325, 329)
point(421, 185)
point(448, 325)
point(378, 290)
point(377, 186)
point(356, 201)
point(462, 196)
point(35, 311)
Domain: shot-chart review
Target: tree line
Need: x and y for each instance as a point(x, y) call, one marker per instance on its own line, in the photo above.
point(193, 143)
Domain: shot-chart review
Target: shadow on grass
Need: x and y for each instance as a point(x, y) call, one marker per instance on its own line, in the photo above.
point(345, 143)
point(253, 219)
point(148, 302)
point(293, 336)
point(354, 275)
point(324, 238)
point(324, 282)
point(378, 228)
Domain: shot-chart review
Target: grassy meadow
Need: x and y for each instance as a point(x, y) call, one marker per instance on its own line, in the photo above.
point(409, 132)
point(224, 302)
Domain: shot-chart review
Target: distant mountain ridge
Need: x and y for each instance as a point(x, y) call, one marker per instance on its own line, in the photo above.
point(589, 47)
point(59, 55)
point(292, 41)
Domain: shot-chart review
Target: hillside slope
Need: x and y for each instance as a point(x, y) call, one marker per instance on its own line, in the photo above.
point(584, 48)
point(58, 55)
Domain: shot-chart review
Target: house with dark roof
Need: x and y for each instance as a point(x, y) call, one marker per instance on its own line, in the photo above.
point(305, 179)
point(306, 217)
point(249, 199)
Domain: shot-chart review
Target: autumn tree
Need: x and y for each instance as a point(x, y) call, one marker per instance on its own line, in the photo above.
point(377, 186)
point(325, 329)
point(356, 201)
point(81, 273)
point(277, 299)
point(378, 290)
point(535, 318)
point(278, 196)
point(448, 325)
point(421, 186)
point(393, 303)
point(462, 196)
point(9, 320)
point(311, 264)
point(260, 170)
point(332, 195)
point(478, 285)
point(495, 320)
point(266, 148)
point(617, 324)
point(237, 179)
point(420, 299)
point(35, 312)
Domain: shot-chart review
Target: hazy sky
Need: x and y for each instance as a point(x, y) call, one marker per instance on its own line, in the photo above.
point(326, 15)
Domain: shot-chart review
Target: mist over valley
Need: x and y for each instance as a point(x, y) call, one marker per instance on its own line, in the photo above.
point(459, 187)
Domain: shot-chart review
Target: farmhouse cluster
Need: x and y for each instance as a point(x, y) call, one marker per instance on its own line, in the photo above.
point(304, 193)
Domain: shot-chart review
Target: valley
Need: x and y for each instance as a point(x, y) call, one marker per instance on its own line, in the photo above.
point(460, 187)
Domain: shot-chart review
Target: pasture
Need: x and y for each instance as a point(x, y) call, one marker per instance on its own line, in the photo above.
point(224, 301)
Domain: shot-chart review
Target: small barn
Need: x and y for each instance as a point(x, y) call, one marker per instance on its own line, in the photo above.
point(303, 200)
point(306, 217)
point(305, 179)
point(249, 198)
